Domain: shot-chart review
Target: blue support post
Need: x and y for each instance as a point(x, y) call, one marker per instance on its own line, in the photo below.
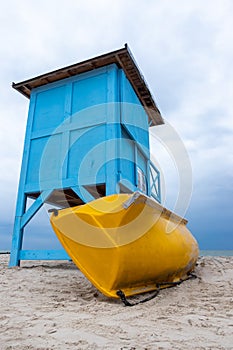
point(112, 134)
point(148, 178)
point(17, 237)
point(21, 221)
point(16, 245)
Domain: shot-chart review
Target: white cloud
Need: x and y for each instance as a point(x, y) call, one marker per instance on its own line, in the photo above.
point(184, 49)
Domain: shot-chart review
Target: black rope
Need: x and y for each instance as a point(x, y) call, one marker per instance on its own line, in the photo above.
point(53, 210)
point(126, 302)
point(192, 275)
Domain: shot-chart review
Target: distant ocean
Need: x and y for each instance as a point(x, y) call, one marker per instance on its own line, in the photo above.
point(202, 252)
point(216, 252)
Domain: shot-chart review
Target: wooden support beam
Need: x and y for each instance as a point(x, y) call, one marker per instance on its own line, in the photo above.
point(34, 208)
point(43, 255)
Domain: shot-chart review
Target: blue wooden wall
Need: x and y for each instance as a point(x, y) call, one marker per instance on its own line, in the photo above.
point(76, 118)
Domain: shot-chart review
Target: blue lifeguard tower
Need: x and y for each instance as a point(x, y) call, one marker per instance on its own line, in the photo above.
point(87, 136)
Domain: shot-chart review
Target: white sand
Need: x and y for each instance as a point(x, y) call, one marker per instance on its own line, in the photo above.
point(51, 305)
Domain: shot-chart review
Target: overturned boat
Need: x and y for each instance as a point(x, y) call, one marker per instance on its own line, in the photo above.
point(127, 243)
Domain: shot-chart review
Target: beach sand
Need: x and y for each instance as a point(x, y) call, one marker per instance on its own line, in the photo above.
point(51, 305)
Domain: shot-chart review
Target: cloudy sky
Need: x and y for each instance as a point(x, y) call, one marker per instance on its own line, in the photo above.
point(185, 51)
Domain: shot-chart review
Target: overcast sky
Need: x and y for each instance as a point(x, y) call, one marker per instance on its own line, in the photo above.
point(185, 51)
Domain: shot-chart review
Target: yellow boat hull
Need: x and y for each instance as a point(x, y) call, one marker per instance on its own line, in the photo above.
point(126, 242)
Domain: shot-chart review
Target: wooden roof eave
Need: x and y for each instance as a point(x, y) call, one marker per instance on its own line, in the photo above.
point(122, 57)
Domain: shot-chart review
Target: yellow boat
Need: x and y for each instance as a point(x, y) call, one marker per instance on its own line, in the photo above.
point(127, 243)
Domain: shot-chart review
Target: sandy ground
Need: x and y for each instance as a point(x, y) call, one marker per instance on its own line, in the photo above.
point(51, 305)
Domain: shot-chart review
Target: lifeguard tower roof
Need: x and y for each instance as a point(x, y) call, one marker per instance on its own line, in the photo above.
point(122, 58)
